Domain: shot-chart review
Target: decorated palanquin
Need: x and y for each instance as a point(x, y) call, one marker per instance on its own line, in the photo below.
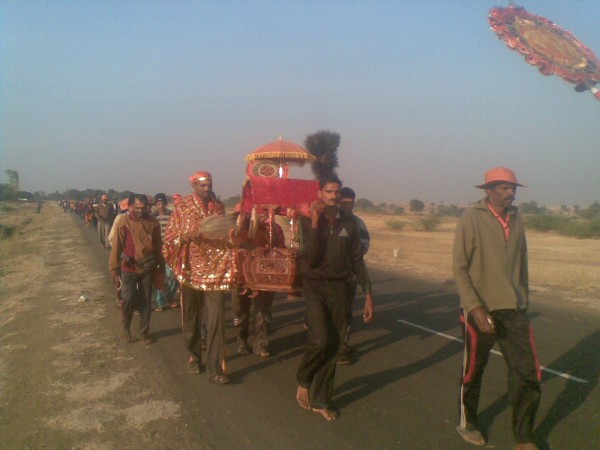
point(269, 192)
point(547, 46)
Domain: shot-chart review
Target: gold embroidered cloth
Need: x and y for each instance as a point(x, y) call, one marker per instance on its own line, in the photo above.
point(205, 265)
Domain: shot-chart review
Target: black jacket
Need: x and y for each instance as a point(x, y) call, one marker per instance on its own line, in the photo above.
point(332, 251)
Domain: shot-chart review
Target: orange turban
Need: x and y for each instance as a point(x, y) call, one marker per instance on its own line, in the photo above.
point(200, 176)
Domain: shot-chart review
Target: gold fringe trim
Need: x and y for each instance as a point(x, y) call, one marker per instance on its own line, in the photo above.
point(279, 155)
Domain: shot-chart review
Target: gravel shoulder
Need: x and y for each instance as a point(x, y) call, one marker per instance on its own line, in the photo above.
point(65, 380)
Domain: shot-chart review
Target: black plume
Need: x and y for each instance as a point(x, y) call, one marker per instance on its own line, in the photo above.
point(323, 145)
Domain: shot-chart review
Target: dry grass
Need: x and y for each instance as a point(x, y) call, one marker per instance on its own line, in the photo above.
point(554, 260)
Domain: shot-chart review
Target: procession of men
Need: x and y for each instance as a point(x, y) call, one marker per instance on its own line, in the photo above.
point(148, 245)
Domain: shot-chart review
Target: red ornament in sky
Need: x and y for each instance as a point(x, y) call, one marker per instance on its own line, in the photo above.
point(547, 46)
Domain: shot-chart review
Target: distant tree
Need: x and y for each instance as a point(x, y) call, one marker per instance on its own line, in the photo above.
point(13, 183)
point(398, 210)
point(416, 205)
point(73, 194)
point(56, 196)
point(24, 195)
point(532, 208)
point(364, 204)
point(232, 201)
point(591, 211)
point(4, 192)
point(450, 210)
point(122, 195)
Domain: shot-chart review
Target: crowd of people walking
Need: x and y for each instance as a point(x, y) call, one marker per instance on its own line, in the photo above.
point(166, 255)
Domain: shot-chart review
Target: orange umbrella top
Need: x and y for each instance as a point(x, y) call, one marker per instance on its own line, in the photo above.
point(283, 151)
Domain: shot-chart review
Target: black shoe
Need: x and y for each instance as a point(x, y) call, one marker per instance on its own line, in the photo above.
point(219, 379)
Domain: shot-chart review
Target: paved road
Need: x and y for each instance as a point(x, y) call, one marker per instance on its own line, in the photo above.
point(401, 392)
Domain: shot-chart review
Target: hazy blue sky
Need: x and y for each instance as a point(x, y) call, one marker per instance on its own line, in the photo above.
point(140, 94)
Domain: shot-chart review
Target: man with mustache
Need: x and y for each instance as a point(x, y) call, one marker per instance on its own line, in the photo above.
point(490, 269)
point(203, 267)
point(135, 260)
point(332, 254)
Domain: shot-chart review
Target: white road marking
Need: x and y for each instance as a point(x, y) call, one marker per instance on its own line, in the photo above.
point(495, 352)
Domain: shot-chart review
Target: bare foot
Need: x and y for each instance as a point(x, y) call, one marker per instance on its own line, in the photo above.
point(302, 397)
point(327, 414)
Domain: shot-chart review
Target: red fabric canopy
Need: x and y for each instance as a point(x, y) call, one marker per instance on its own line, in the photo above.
point(273, 192)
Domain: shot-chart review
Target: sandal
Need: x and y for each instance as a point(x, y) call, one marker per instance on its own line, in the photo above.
point(219, 379)
point(193, 366)
point(471, 435)
point(145, 340)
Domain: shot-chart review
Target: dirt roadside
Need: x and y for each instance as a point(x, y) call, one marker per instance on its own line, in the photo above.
point(65, 379)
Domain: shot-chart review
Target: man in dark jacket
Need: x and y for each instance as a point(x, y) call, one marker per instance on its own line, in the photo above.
point(331, 256)
point(105, 214)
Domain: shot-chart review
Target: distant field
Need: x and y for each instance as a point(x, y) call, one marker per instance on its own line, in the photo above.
point(553, 260)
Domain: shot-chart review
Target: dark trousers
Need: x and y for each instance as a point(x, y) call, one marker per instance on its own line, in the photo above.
point(327, 317)
point(103, 231)
point(241, 304)
point(352, 285)
point(192, 304)
point(515, 338)
point(136, 292)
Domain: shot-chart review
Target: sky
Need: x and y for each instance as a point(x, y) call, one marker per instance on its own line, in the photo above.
point(137, 95)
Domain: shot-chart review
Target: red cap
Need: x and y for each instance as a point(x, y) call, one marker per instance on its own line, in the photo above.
point(499, 175)
point(200, 176)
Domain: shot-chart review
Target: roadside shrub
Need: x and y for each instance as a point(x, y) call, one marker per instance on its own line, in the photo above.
point(546, 222)
point(591, 212)
point(585, 229)
point(451, 210)
point(6, 208)
point(6, 231)
point(429, 223)
point(577, 228)
point(396, 224)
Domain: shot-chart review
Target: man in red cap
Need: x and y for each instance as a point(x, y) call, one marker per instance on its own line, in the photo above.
point(203, 267)
point(490, 269)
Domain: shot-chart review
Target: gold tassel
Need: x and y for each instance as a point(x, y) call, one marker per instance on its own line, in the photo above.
point(253, 223)
point(239, 223)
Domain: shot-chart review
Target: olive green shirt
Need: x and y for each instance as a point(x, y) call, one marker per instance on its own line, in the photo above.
point(490, 271)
